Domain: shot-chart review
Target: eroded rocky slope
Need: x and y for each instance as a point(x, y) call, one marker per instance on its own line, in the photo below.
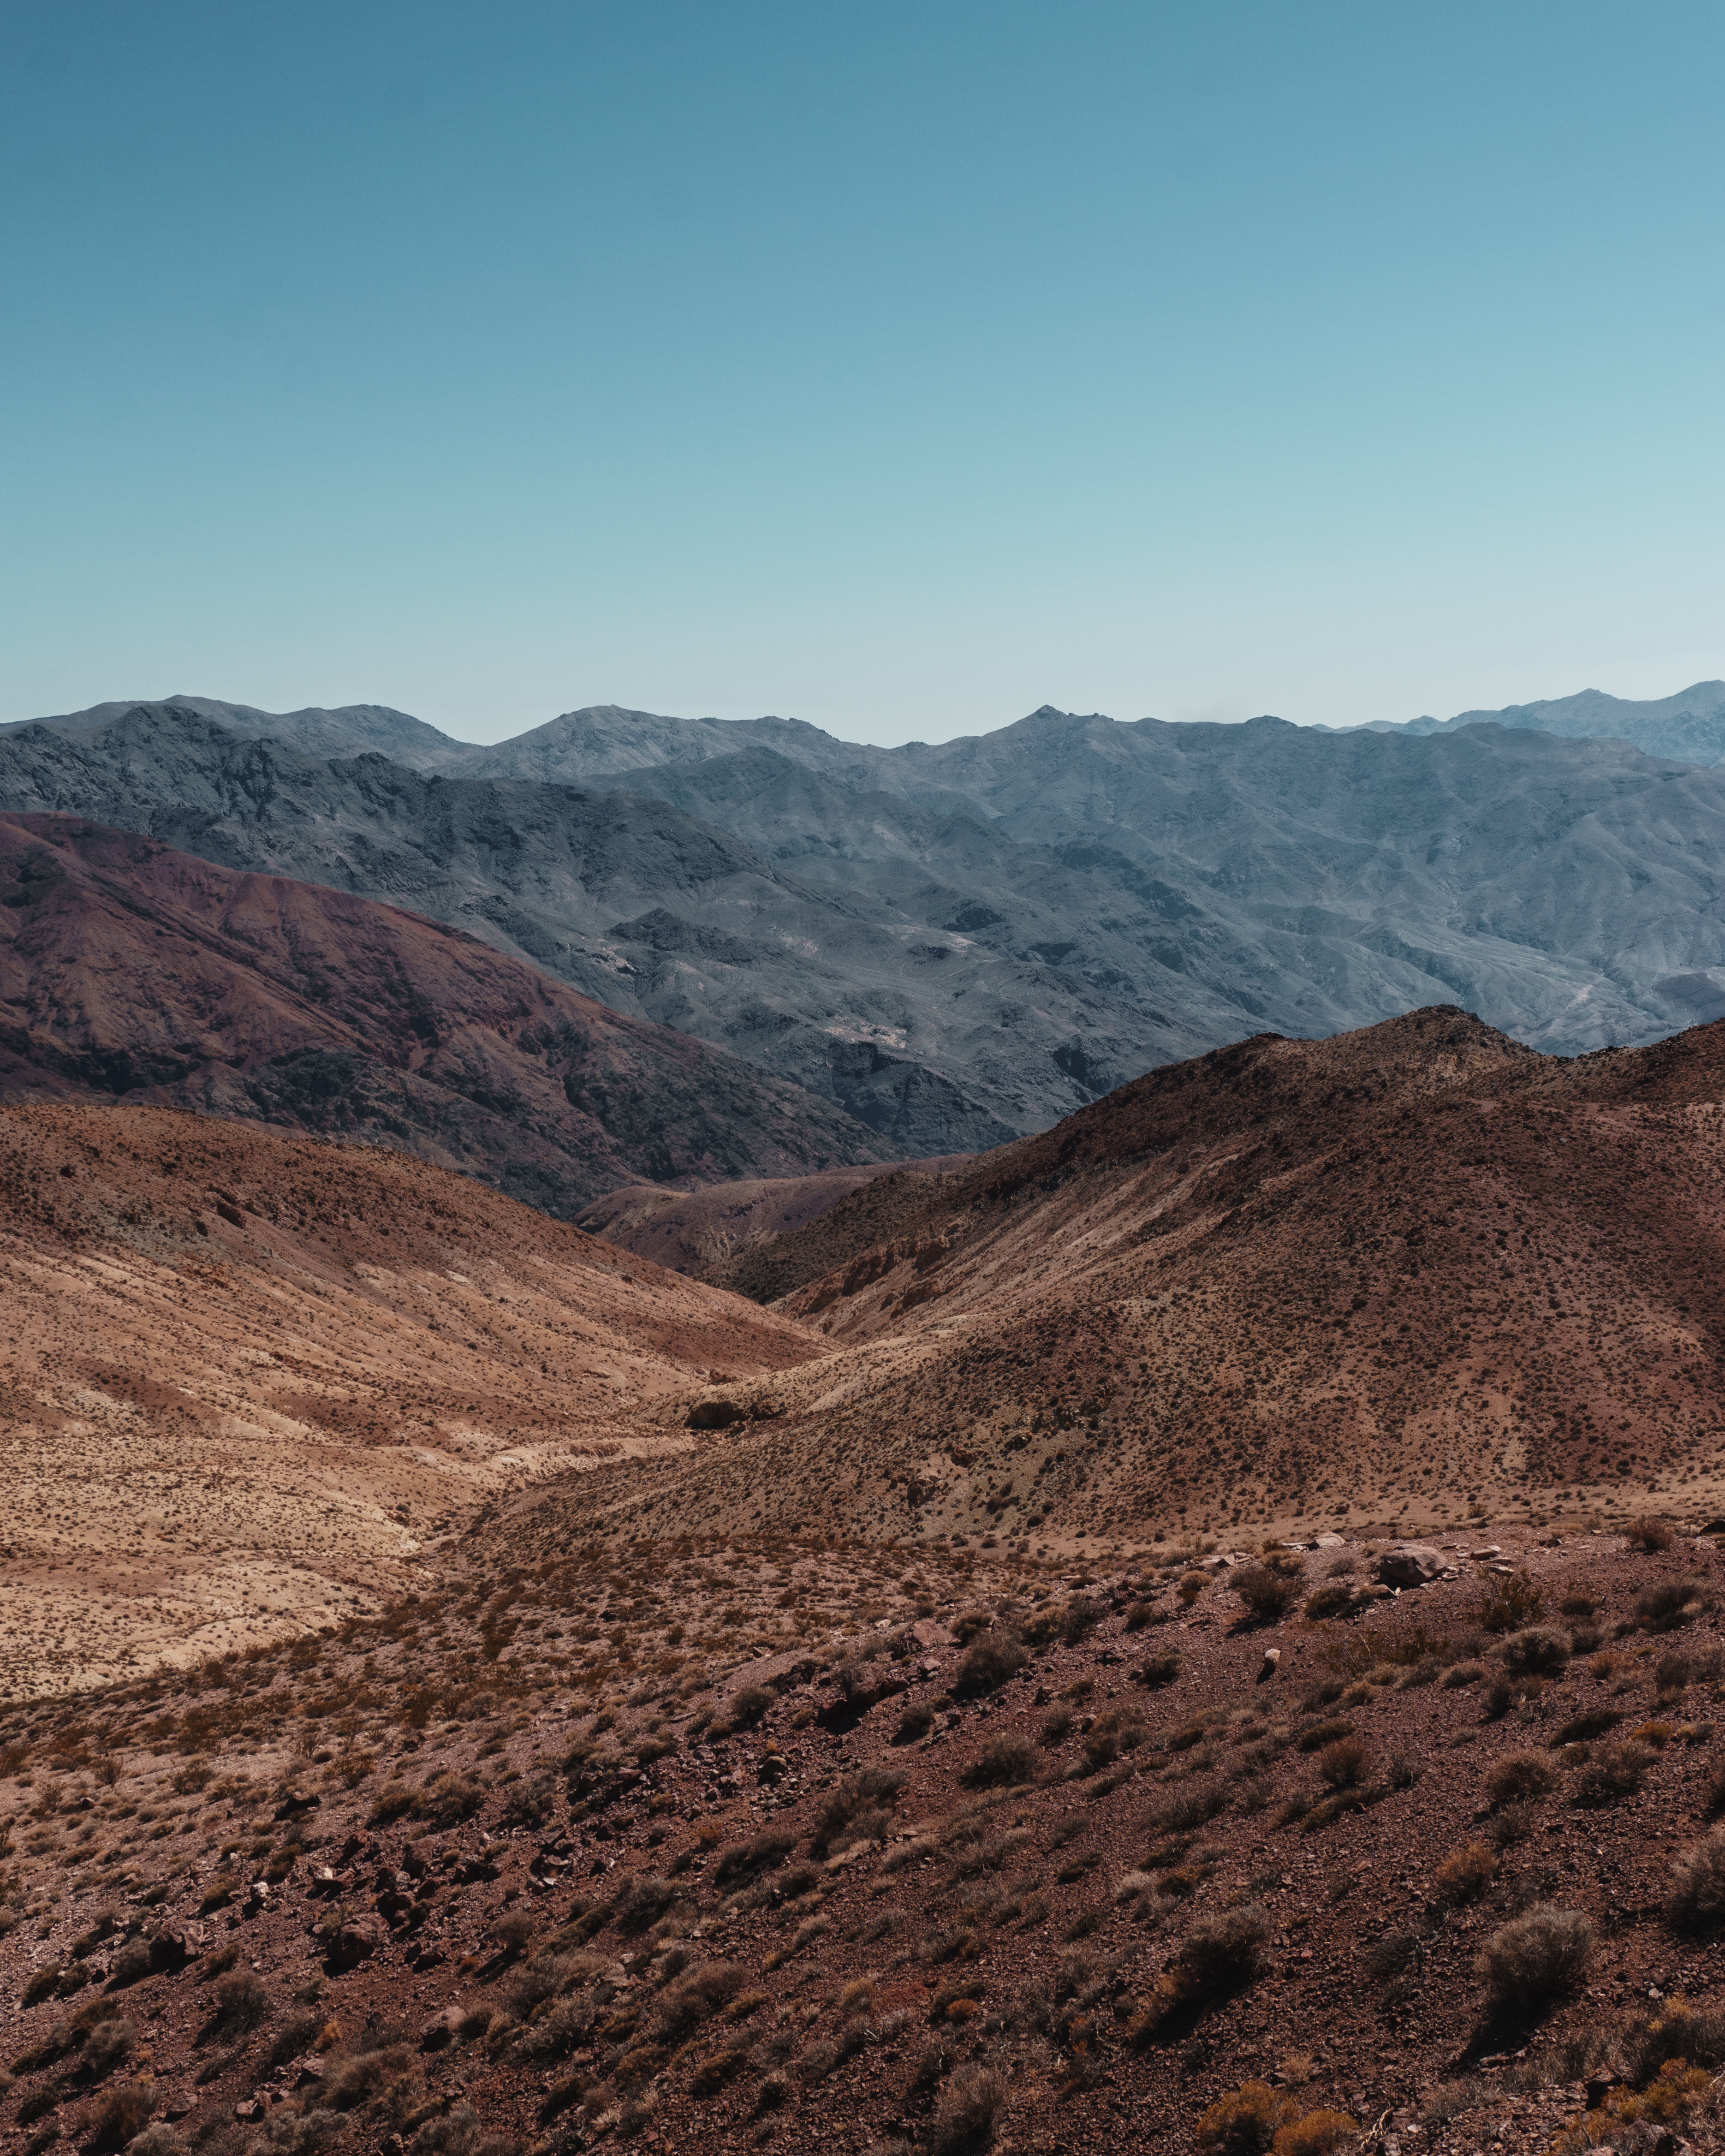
point(130, 970)
point(758, 1843)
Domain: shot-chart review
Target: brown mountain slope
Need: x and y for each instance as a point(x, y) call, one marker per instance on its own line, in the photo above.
point(130, 970)
point(761, 1237)
point(1390, 1275)
point(563, 1855)
point(248, 1380)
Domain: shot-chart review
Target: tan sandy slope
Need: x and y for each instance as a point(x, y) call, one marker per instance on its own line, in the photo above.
point(248, 1380)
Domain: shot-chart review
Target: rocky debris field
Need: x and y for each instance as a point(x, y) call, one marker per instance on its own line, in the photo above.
point(693, 1845)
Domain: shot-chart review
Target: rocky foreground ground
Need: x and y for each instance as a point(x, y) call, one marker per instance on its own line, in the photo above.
point(699, 1846)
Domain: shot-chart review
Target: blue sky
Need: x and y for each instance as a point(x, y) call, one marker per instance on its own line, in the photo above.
point(898, 367)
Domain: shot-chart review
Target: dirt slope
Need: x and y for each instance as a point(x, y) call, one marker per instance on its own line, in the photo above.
point(704, 1848)
point(130, 970)
point(248, 1381)
point(740, 1234)
point(1396, 1274)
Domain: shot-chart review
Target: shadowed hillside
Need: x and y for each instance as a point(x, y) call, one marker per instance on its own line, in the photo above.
point(128, 970)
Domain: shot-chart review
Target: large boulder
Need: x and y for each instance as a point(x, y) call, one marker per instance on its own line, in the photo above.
point(1411, 1564)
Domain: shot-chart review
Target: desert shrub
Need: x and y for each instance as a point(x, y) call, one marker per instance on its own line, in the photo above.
point(1650, 1534)
point(361, 2077)
point(914, 1724)
point(1577, 1605)
point(750, 1705)
point(457, 2133)
point(711, 2073)
point(870, 1792)
point(1002, 1764)
point(640, 1904)
point(1078, 1619)
point(529, 1803)
point(121, 2118)
point(1220, 1957)
point(1462, 1673)
point(1672, 1603)
point(1613, 1772)
point(1317, 2134)
point(448, 1798)
point(1697, 1895)
point(989, 1661)
point(1675, 2031)
point(1466, 1871)
point(392, 1803)
point(1139, 1614)
point(1584, 1728)
point(1518, 1775)
point(158, 2138)
point(241, 2003)
point(1246, 2121)
point(1534, 1960)
point(1679, 1667)
point(1714, 1802)
point(1156, 1671)
point(696, 1997)
point(109, 2045)
point(1510, 1824)
point(1344, 1764)
point(1268, 1596)
point(282, 2134)
point(969, 2110)
point(513, 1931)
point(1514, 1601)
point(747, 1860)
point(1317, 1734)
point(1056, 1727)
point(1538, 1652)
point(1334, 1600)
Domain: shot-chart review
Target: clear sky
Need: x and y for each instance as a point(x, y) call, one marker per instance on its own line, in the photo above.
point(898, 366)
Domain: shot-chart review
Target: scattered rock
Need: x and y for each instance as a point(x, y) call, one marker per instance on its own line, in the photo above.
point(440, 2029)
point(356, 1941)
point(1410, 1564)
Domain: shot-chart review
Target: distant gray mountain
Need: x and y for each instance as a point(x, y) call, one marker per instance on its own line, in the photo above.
point(1688, 728)
point(351, 730)
point(961, 941)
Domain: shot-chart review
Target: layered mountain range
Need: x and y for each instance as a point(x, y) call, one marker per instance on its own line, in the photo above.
point(131, 971)
point(959, 944)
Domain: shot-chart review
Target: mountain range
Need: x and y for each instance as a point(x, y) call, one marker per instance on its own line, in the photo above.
point(131, 971)
point(959, 944)
point(1688, 728)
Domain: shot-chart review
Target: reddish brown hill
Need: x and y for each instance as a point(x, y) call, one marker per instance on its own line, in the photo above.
point(248, 1380)
point(128, 970)
point(762, 1237)
point(1394, 1274)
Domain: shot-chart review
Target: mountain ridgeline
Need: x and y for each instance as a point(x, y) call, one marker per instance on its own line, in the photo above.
point(957, 945)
